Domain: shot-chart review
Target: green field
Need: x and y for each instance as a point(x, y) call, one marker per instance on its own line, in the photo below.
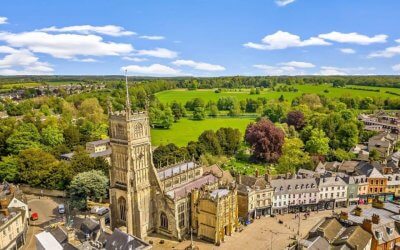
point(188, 130)
point(183, 95)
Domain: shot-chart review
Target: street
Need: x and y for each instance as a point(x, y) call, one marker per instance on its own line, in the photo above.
point(46, 208)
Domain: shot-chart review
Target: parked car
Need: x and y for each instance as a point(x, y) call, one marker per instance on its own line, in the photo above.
point(34, 216)
point(102, 211)
point(61, 209)
point(94, 209)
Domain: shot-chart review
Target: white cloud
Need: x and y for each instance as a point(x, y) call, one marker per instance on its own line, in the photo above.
point(158, 52)
point(89, 60)
point(297, 64)
point(152, 37)
point(3, 20)
point(283, 40)
point(24, 62)
point(353, 38)
point(347, 51)
point(278, 70)
point(199, 65)
point(67, 46)
point(134, 59)
point(396, 67)
point(388, 52)
point(152, 70)
point(110, 30)
point(329, 70)
point(7, 50)
point(284, 2)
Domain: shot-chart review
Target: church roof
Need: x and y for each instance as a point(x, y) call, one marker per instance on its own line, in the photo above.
point(184, 189)
point(175, 169)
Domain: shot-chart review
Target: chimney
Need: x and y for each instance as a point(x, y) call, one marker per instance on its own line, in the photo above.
point(257, 173)
point(367, 225)
point(239, 179)
point(268, 177)
point(375, 219)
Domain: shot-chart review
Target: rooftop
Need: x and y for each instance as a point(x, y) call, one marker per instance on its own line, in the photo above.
point(184, 189)
point(175, 169)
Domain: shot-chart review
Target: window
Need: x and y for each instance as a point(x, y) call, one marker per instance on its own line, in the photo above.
point(138, 130)
point(381, 182)
point(122, 208)
point(163, 220)
point(181, 215)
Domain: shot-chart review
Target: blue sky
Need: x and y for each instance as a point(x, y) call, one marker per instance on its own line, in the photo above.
point(200, 37)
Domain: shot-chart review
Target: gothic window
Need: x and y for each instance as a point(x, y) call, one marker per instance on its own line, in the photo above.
point(120, 131)
point(164, 220)
point(138, 130)
point(181, 215)
point(122, 208)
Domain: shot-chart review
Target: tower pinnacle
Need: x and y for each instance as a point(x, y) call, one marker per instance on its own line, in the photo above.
point(128, 102)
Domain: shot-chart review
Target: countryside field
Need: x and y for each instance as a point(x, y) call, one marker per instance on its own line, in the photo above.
point(188, 130)
point(183, 95)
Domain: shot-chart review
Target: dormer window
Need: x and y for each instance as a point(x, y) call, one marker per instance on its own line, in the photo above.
point(307, 186)
point(289, 187)
point(389, 178)
point(302, 185)
point(397, 177)
point(389, 230)
point(312, 185)
point(378, 235)
point(297, 187)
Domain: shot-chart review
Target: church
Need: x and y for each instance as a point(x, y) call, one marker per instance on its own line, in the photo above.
point(172, 200)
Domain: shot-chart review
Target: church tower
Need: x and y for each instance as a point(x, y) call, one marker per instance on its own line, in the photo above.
point(131, 189)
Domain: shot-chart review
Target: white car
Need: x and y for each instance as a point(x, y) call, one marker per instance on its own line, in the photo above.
point(61, 209)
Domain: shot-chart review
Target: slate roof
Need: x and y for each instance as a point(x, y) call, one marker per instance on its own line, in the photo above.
point(354, 237)
point(329, 229)
point(286, 186)
point(223, 175)
point(175, 169)
point(219, 193)
point(123, 241)
point(99, 142)
point(315, 243)
point(331, 181)
point(184, 189)
point(60, 234)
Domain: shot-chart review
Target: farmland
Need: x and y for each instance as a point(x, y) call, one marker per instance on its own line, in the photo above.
point(183, 95)
point(188, 130)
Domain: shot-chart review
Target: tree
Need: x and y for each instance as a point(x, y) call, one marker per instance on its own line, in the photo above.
point(87, 185)
point(90, 109)
point(293, 157)
point(213, 110)
point(318, 143)
point(265, 139)
point(296, 119)
point(274, 112)
point(40, 169)
point(178, 111)
point(24, 137)
point(374, 155)
point(199, 114)
point(9, 168)
point(210, 142)
point(52, 136)
point(347, 135)
point(229, 139)
point(82, 162)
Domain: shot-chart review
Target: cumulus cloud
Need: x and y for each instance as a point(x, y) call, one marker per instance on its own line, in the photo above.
point(67, 46)
point(110, 30)
point(158, 52)
point(347, 51)
point(388, 52)
point(152, 37)
point(396, 67)
point(276, 70)
point(199, 65)
point(134, 59)
point(89, 60)
point(284, 2)
point(3, 20)
point(353, 38)
point(152, 70)
point(329, 70)
point(18, 62)
point(297, 64)
point(283, 40)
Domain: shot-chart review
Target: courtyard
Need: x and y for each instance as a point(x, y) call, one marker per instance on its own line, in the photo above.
point(263, 233)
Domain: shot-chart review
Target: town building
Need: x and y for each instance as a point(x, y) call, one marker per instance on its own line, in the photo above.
point(333, 189)
point(393, 184)
point(216, 215)
point(380, 122)
point(100, 148)
point(13, 227)
point(383, 143)
point(291, 195)
point(255, 196)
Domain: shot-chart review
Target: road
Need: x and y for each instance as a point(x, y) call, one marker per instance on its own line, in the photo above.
point(47, 210)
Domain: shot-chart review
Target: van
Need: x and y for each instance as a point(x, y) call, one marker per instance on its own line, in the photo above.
point(102, 211)
point(61, 209)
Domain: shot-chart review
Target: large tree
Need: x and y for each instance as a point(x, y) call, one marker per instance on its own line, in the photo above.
point(296, 119)
point(265, 139)
point(87, 185)
point(293, 156)
point(24, 137)
point(318, 144)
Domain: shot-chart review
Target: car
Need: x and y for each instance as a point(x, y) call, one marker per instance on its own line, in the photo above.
point(102, 211)
point(34, 216)
point(61, 209)
point(94, 209)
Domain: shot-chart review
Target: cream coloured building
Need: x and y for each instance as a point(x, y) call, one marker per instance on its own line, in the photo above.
point(13, 226)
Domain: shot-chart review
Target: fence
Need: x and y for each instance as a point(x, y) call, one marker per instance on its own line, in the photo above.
point(40, 191)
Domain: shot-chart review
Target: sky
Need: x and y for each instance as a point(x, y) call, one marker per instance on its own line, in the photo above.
point(200, 37)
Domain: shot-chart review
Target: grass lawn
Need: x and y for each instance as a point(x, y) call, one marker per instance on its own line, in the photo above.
point(183, 95)
point(19, 85)
point(188, 130)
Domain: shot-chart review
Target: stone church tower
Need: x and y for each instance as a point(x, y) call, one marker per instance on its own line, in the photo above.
point(133, 182)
